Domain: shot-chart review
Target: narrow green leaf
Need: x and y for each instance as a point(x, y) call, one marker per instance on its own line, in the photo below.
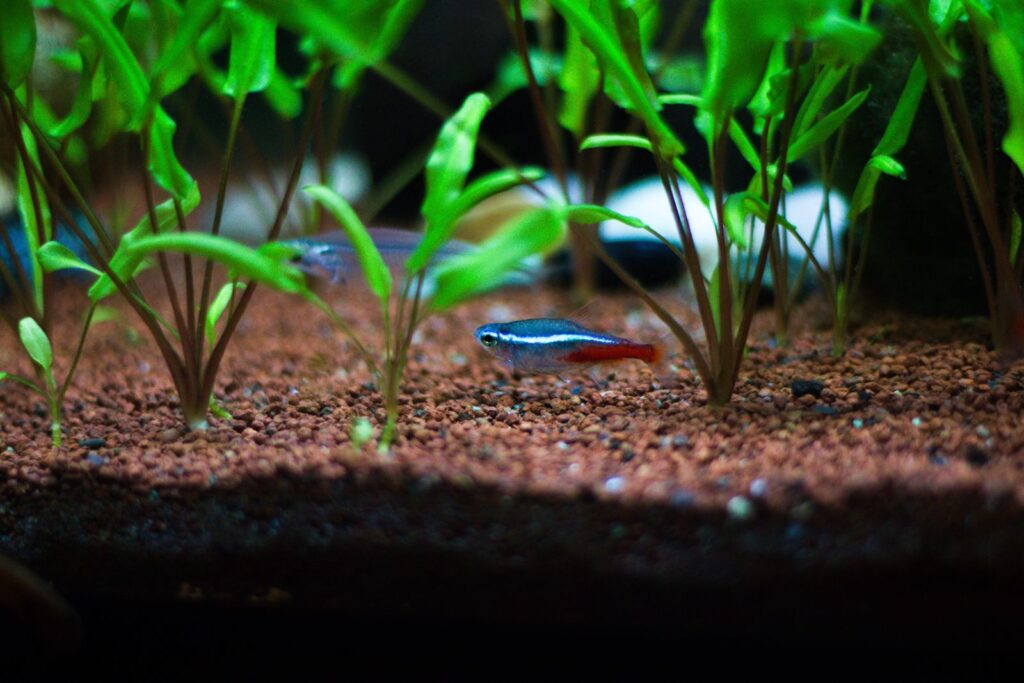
point(626, 140)
point(241, 260)
point(844, 40)
point(1008, 64)
point(218, 306)
point(888, 166)
point(447, 167)
point(823, 129)
point(130, 84)
point(126, 265)
point(163, 163)
point(34, 232)
point(360, 32)
point(736, 210)
point(251, 61)
point(452, 156)
point(81, 107)
point(17, 41)
point(466, 275)
point(603, 140)
point(176, 62)
point(54, 256)
point(897, 130)
point(578, 80)
point(283, 97)
point(489, 185)
point(592, 213)
point(615, 63)
point(36, 343)
point(375, 270)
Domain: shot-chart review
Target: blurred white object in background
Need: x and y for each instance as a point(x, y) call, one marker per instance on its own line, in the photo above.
point(251, 205)
point(646, 200)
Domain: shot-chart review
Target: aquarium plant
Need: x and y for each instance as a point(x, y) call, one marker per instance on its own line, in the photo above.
point(995, 34)
point(142, 62)
point(427, 287)
point(770, 57)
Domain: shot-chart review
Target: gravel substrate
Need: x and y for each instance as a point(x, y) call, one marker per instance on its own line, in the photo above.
point(879, 493)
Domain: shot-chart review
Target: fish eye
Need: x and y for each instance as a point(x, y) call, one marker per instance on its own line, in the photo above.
point(488, 339)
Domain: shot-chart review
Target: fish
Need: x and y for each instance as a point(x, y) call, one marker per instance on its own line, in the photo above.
point(554, 345)
point(332, 257)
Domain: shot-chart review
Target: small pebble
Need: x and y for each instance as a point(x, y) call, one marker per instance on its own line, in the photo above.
point(95, 459)
point(615, 485)
point(977, 457)
point(92, 443)
point(681, 498)
point(740, 509)
point(806, 387)
point(758, 488)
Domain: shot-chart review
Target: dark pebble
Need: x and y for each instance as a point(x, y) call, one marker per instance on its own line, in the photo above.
point(938, 460)
point(825, 410)
point(803, 387)
point(92, 443)
point(680, 440)
point(977, 457)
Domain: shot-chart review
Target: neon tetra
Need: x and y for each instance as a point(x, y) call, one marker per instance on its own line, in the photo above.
point(553, 344)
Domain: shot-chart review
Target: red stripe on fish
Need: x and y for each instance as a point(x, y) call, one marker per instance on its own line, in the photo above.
point(600, 353)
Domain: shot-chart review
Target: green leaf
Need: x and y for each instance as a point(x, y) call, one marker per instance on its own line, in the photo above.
point(130, 84)
point(447, 167)
point(375, 270)
point(176, 62)
point(81, 107)
point(34, 232)
point(251, 61)
point(898, 129)
point(163, 163)
point(3, 376)
point(241, 260)
point(736, 210)
point(17, 42)
point(612, 56)
point(463, 276)
point(283, 97)
point(127, 265)
point(592, 213)
point(824, 127)
point(360, 32)
point(626, 140)
point(54, 256)
point(844, 40)
point(218, 306)
point(578, 80)
point(36, 343)
point(603, 140)
point(1008, 63)
point(489, 185)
